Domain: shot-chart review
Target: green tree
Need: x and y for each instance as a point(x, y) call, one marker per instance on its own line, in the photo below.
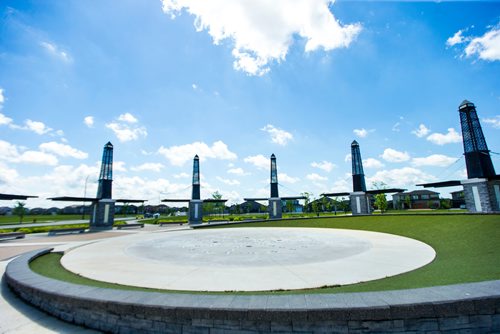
point(20, 210)
point(307, 200)
point(327, 204)
point(315, 207)
point(381, 202)
point(289, 206)
point(408, 201)
point(219, 206)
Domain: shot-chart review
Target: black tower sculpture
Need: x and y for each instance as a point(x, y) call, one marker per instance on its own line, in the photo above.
point(274, 177)
point(196, 204)
point(103, 209)
point(360, 198)
point(477, 155)
point(103, 206)
point(196, 178)
point(358, 175)
point(275, 206)
point(482, 187)
point(104, 189)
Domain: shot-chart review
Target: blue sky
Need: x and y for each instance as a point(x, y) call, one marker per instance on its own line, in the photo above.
point(235, 81)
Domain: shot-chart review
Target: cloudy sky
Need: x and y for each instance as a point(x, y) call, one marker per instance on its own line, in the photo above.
point(235, 81)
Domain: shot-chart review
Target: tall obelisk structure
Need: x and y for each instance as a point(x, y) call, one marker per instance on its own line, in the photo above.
point(103, 210)
point(196, 204)
point(482, 187)
point(275, 207)
point(360, 200)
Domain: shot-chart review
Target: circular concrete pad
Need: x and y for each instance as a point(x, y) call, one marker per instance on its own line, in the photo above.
point(248, 259)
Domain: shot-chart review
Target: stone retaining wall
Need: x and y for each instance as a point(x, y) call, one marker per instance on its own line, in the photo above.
point(464, 308)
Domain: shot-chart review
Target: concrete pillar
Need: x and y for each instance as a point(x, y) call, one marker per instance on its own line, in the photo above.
point(482, 195)
point(275, 208)
point(103, 215)
point(360, 203)
point(195, 211)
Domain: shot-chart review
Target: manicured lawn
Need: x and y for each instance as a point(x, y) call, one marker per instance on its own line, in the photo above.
point(467, 247)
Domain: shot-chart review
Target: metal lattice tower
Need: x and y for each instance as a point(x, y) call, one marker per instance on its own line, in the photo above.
point(358, 175)
point(274, 177)
point(104, 189)
point(477, 155)
point(196, 178)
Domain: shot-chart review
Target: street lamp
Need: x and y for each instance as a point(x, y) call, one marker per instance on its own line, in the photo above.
point(84, 195)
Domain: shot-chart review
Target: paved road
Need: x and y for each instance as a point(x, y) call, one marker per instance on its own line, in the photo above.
point(18, 317)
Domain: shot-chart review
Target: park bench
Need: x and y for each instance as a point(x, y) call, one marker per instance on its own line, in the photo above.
point(11, 235)
point(66, 230)
point(119, 227)
point(171, 223)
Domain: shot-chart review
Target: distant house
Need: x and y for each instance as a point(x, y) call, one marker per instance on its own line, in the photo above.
point(294, 205)
point(5, 210)
point(248, 207)
point(457, 199)
point(417, 199)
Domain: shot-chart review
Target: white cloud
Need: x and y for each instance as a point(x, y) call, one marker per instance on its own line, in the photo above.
point(455, 39)
point(62, 150)
point(4, 120)
point(7, 175)
point(119, 166)
point(392, 155)
point(422, 131)
point(282, 177)
point(258, 161)
point(37, 127)
point(179, 155)
point(10, 152)
point(324, 165)
point(126, 133)
point(486, 47)
point(348, 157)
point(237, 171)
point(278, 136)
point(396, 127)
point(438, 160)
point(2, 97)
point(361, 133)
point(316, 177)
point(228, 181)
point(494, 121)
point(56, 51)
point(372, 163)
point(342, 185)
point(401, 178)
point(89, 121)
point(149, 166)
point(181, 176)
point(263, 31)
point(194, 86)
point(441, 139)
point(40, 158)
point(128, 118)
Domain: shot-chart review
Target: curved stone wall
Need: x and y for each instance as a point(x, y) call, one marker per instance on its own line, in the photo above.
point(464, 308)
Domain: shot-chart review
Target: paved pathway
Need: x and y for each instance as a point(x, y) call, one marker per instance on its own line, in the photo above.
point(18, 317)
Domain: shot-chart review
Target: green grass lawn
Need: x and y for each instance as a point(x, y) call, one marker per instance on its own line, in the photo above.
point(467, 247)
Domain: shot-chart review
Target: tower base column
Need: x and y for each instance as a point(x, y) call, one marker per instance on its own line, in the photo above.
point(103, 215)
point(360, 203)
point(195, 212)
point(482, 195)
point(275, 208)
